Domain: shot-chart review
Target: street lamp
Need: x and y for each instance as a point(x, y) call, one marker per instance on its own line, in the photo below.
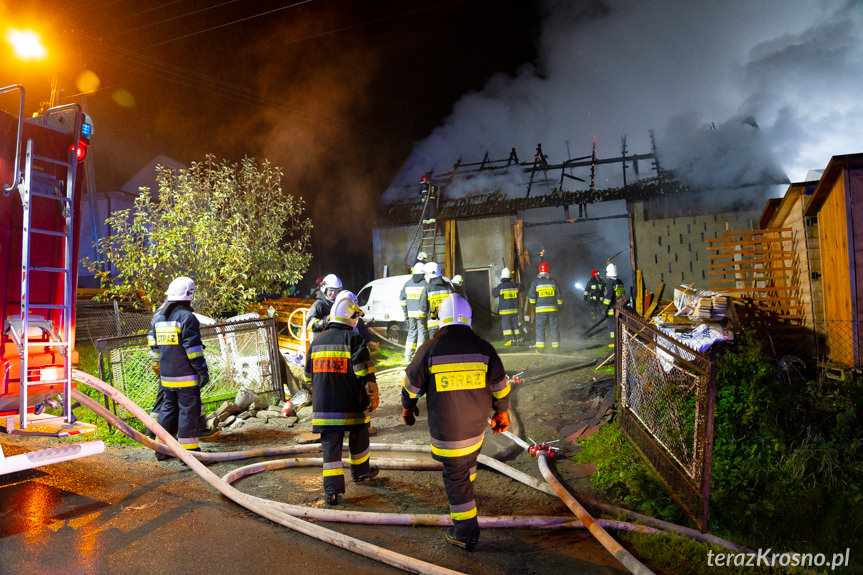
point(27, 46)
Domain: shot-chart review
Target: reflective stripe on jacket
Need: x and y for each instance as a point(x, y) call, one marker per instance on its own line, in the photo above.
point(410, 296)
point(176, 338)
point(506, 293)
point(464, 381)
point(545, 294)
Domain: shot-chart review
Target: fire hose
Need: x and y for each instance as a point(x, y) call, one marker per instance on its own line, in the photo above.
point(288, 515)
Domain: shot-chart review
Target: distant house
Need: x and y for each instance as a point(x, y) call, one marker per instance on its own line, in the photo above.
point(93, 224)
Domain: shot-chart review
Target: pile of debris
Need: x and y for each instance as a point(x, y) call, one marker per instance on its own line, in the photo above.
point(246, 408)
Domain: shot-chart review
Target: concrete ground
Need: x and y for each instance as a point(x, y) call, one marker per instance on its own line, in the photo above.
point(123, 512)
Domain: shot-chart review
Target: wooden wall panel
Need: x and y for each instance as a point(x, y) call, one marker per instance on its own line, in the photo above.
point(833, 237)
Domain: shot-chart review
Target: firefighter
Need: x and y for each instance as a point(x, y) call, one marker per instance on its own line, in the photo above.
point(175, 335)
point(506, 293)
point(422, 258)
point(544, 294)
point(464, 382)
point(433, 293)
point(594, 292)
point(429, 201)
point(614, 290)
point(331, 285)
point(410, 299)
point(457, 283)
point(342, 376)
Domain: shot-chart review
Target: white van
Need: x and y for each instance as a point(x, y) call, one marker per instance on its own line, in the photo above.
point(379, 300)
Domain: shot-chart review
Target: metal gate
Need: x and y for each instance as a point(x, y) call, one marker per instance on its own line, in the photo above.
point(667, 394)
point(239, 354)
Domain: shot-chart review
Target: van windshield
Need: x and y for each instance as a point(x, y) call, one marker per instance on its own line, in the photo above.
point(363, 296)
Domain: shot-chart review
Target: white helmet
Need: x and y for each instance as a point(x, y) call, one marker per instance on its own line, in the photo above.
point(457, 280)
point(422, 257)
point(611, 271)
point(505, 274)
point(331, 282)
point(454, 310)
point(181, 289)
point(346, 309)
point(418, 268)
point(432, 270)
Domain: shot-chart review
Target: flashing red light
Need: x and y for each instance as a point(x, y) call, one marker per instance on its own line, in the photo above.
point(81, 153)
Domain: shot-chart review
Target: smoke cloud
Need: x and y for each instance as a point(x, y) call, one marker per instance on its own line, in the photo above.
point(736, 92)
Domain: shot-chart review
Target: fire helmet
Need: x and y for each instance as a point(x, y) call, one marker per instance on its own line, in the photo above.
point(422, 257)
point(346, 309)
point(454, 310)
point(505, 274)
point(611, 271)
point(180, 289)
point(418, 268)
point(457, 280)
point(331, 282)
point(544, 268)
point(594, 274)
point(432, 270)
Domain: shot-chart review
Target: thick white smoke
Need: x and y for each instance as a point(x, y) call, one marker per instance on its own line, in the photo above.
point(734, 91)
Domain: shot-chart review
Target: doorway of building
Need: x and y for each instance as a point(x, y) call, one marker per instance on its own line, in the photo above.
point(477, 287)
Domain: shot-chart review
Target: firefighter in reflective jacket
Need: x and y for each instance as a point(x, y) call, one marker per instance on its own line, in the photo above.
point(410, 299)
point(436, 290)
point(344, 392)
point(464, 382)
point(613, 290)
point(594, 292)
point(175, 335)
point(506, 293)
point(544, 293)
point(319, 313)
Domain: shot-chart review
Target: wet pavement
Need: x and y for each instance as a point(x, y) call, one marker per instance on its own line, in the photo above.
point(122, 512)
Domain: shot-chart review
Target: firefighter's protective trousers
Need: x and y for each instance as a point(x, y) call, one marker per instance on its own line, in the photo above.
point(547, 319)
point(358, 445)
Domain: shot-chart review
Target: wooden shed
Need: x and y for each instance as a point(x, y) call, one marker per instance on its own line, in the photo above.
point(837, 208)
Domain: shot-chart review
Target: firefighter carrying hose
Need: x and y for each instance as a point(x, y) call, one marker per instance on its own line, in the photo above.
point(464, 381)
point(175, 335)
point(506, 293)
point(544, 293)
point(410, 300)
point(432, 295)
point(342, 376)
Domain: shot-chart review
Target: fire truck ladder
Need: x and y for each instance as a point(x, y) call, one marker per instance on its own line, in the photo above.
point(33, 330)
point(37, 332)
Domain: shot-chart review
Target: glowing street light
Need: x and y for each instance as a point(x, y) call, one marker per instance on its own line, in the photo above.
point(26, 44)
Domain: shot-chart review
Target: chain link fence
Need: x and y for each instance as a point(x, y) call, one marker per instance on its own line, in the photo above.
point(239, 354)
point(667, 392)
point(838, 343)
point(101, 319)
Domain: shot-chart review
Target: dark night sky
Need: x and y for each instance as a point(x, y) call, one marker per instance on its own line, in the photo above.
point(350, 96)
point(336, 92)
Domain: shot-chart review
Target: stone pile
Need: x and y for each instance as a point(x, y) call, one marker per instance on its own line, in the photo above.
point(248, 408)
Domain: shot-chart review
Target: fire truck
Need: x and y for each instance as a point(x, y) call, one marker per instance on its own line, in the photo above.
point(41, 173)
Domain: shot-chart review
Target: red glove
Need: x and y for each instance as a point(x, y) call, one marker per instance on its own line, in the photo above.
point(409, 415)
point(500, 422)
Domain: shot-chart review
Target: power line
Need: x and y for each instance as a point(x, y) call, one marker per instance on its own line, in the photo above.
point(173, 18)
point(231, 23)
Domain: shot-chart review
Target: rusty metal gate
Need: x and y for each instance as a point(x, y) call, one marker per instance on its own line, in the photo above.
point(239, 354)
point(667, 394)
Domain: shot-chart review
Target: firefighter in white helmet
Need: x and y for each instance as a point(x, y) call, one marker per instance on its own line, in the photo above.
point(344, 393)
point(433, 293)
point(506, 293)
point(614, 290)
point(320, 310)
point(464, 382)
point(410, 301)
point(175, 337)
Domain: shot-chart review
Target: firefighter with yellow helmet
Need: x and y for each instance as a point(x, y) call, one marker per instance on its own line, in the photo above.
point(464, 382)
point(344, 393)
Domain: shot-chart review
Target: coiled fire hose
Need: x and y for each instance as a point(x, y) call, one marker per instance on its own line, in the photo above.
point(287, 514)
